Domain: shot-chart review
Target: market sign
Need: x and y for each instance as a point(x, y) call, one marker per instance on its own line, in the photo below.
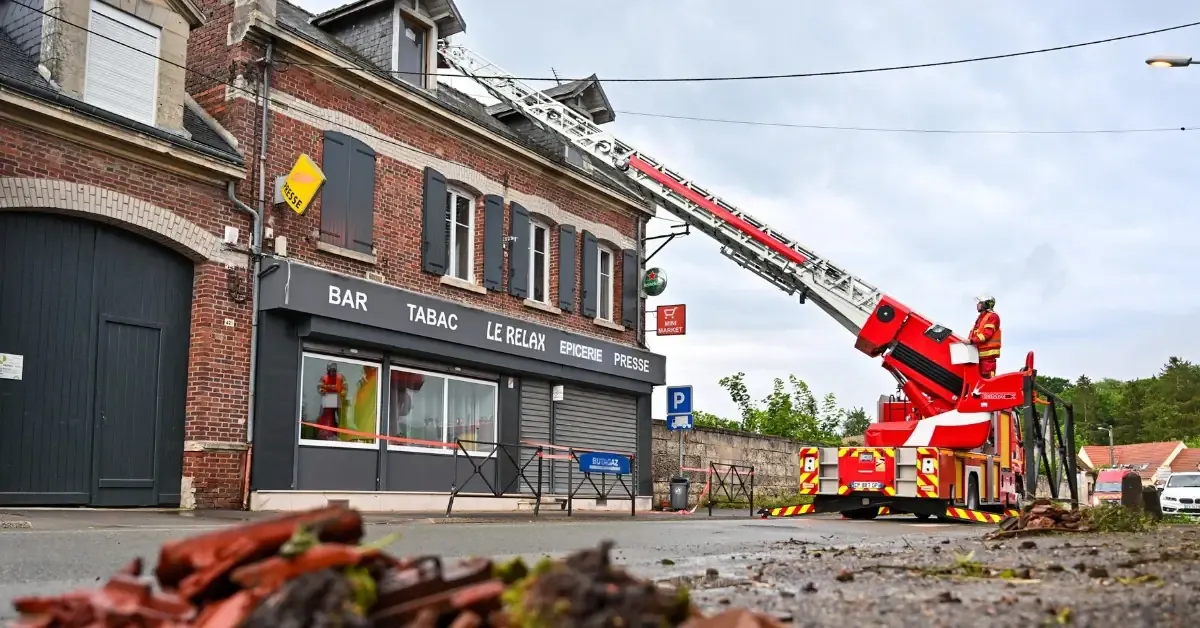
point(301, 185)
point(672, 320)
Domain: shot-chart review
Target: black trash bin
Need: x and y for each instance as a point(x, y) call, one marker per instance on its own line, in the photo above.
point(679, 493)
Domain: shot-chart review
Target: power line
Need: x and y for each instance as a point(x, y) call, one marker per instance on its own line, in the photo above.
point(823, 127)
point(765, 77)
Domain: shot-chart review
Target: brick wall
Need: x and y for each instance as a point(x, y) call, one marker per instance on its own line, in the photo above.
point(405, 144)
point(219, 359)
point(775, 460)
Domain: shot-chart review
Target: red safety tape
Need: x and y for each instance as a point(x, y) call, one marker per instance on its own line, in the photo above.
point(391, 439)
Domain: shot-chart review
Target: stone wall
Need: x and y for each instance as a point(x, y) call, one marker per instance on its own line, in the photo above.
point(775, 460)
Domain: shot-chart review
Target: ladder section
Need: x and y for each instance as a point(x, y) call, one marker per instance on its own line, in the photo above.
point(746, 240)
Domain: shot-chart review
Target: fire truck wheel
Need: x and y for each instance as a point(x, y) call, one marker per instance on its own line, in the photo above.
point(973, 493)
point(921, 515)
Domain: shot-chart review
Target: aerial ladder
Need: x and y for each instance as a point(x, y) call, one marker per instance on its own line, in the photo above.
point(958, 410)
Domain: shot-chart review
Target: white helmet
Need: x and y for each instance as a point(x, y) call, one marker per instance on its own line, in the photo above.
point(986, 300)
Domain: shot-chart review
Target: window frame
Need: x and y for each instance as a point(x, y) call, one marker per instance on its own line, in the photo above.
point(450, 448)
point(405, 17)
point(451, 259)
point(136, 23)
point(601, 270)
point(304, 442)
point(534, 225)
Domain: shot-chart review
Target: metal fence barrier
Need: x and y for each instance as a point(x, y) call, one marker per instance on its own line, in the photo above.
point(496, 490)
point(737, 480)
point(604, 464)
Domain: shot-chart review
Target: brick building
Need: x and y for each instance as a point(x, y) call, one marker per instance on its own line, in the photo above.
point(124, 322)
point(457, 267)
point(461, 275)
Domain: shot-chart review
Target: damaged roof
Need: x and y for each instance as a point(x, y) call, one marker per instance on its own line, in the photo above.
point(19, 72)
point(299, 22)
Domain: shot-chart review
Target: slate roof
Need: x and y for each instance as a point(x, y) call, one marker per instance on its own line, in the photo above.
point(295, 20)
point(18, 71)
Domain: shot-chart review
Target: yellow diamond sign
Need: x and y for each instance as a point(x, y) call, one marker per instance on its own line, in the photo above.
point(301, 185)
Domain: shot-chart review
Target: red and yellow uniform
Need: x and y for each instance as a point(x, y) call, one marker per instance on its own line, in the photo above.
point(985, 335)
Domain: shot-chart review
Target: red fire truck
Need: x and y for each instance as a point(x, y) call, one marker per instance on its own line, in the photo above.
point(953, 447)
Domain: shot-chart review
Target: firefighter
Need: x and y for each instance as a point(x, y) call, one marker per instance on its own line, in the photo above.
point(985, 335)
point(332, 388)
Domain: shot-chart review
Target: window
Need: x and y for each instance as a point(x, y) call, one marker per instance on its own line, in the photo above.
point(434, 411)
point(348, 196)
point(122, 64)
point(539, 263)
point(1187, 480)
point(408, 51)
point(605, 283)
point(337, 394)
point(460, 234)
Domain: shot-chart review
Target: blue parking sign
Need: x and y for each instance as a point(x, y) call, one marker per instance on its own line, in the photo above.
point(679, 400)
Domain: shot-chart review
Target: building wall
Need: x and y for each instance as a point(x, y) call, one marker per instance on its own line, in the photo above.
point(40, 171)
point(776, 461)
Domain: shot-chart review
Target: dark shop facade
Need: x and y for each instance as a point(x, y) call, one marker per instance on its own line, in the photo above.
point(343, 360)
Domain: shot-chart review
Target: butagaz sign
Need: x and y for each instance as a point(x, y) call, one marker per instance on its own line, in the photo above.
point(306, 289)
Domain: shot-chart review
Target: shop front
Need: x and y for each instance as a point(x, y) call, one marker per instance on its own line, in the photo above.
point(374, 394)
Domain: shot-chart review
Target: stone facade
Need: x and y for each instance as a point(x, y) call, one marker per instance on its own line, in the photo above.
point(776, 461)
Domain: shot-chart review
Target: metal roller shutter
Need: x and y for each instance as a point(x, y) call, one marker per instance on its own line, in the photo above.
point(535, 428)
point(593, 419)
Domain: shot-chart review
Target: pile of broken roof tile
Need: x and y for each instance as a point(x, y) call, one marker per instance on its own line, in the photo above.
point(309, 569)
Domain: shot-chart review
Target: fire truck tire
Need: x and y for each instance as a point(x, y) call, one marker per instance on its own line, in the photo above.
point(861, 514)
point(973, 493)
point(921, 515)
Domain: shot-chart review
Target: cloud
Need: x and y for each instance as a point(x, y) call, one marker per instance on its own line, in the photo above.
point(1088, 241)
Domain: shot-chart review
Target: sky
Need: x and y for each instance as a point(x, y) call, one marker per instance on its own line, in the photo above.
point(1088, 242)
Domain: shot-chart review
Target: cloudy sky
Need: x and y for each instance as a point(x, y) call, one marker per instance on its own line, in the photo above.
point(1088, 241)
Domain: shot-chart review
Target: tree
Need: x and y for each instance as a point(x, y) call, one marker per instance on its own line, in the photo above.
point(791, 410)
point(856, 423)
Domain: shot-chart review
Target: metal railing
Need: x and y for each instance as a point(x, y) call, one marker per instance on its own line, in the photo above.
point(497, 490)
point(736, 481)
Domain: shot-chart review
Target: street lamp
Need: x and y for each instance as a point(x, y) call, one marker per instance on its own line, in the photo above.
point(1112, 453)
point(1169, 61)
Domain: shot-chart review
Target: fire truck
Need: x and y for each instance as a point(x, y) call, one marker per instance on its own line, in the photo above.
point(952, 446)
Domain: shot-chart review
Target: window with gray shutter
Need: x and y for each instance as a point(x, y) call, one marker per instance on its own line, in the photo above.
point(348, 196)
point(493, 241)
point(518, 251)
point(122, 64)
point(566, 268)
point(629, 287)
point(434, 234)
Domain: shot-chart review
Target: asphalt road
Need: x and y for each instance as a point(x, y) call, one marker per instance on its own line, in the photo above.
point(71, 549)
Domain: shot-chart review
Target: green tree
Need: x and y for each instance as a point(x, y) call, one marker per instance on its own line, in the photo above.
point(856, 423)
point(791, 410)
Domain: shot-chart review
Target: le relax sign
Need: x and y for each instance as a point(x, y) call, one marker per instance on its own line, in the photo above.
point(306, 289)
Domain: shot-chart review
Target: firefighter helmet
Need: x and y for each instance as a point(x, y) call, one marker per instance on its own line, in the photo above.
point(985, 302)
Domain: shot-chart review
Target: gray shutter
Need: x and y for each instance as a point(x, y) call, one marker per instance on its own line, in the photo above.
point(592, 419)
point(587, 275)
point(360, 216)
point(335, 194)
point(434, 256)
point(121, 67)
point(629, 288)
point(566, 268)
point(518, 252)
point(493, 241)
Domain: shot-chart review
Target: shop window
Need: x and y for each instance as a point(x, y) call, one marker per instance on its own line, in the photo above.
point(539, 264)
point(432, 411)
point(604, 280)
point(460, 234)
point(340, 394)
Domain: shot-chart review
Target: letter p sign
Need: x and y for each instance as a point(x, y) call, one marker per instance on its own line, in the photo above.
point(679, 400)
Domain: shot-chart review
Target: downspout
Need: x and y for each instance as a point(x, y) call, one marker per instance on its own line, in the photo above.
point(640, 249)
point(256, 240)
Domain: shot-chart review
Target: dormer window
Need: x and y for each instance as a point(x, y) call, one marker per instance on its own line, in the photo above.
point(122, 63)
point(410, 46)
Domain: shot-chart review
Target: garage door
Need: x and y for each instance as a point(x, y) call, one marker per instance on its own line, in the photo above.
point(594, 419)
point(100, 319)
point(535, 428)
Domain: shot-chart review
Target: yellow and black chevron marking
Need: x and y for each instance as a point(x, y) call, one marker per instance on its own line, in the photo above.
point(793, 511)
point(974, 516)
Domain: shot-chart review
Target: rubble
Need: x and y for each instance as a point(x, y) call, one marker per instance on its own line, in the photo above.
point(309, 569)
point(1042, 516)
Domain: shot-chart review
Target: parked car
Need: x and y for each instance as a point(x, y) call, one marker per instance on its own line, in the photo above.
point(1181, 496)
point(1108, 485)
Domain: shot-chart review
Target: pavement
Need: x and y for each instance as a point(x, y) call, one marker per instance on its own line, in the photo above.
point(809, 571)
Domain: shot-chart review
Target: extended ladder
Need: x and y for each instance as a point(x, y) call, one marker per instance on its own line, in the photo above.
point(746, 240)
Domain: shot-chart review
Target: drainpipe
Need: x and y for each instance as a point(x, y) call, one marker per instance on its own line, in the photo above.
point(256, 240)
point(640, 248)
